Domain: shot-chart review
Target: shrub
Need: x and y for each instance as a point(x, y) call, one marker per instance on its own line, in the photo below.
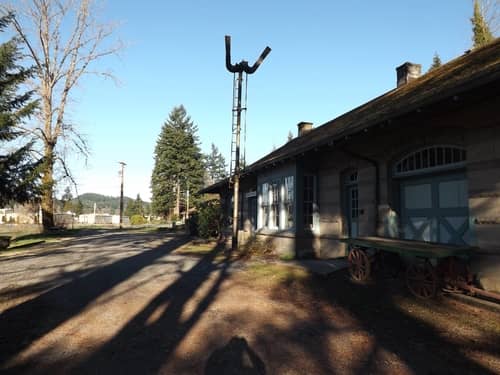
point(137, 220)
point(257, 247)
point(209, 219)
point(193, 223)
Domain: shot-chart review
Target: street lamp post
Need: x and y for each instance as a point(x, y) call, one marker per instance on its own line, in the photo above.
point(122, 164)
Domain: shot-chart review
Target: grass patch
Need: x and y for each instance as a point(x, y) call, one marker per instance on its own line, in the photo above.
point(196, 248)
point(287, 257)
point(19, 241)
point(16, 244)
point(276, 273)
point(143, 228)
point(47, 237)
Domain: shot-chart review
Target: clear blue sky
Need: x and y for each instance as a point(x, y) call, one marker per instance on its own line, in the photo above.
point(327, 57)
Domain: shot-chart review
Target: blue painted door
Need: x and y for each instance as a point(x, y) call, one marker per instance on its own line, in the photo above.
point(436, 209)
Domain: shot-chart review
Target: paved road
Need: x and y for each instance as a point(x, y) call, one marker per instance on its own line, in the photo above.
point(39, 270)
point(56, 304)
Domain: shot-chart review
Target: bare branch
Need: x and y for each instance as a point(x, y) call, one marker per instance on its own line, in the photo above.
point(67, 171)
point(23, 36)
point(490, 9)
point(64, 40)
point(36, 132)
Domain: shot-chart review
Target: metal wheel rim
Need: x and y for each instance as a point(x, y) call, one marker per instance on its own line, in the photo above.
point(359, 265)
point(421, 280)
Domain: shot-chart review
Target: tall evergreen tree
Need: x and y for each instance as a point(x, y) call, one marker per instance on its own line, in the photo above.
point(178, 164)
point(19, 173)
point(215, 165)
point(482, 34)
point(436, 62)
point(135, 207)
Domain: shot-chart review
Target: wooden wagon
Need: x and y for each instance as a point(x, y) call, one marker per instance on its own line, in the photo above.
point(429, 266)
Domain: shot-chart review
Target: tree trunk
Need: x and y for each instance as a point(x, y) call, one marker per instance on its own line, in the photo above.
point(177, 211)
point(47, 188)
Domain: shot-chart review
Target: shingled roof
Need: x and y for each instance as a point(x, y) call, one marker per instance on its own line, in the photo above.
point(471, 70)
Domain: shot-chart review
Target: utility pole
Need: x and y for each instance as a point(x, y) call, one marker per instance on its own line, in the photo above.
point(238, 70)
point(177, 211)
point(121, 192)
point(187, 202)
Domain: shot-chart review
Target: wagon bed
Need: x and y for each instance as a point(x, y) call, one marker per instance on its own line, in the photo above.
point(410, 247)
point(423, 278)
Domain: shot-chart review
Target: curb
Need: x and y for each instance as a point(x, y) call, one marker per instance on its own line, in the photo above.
point(474, 301)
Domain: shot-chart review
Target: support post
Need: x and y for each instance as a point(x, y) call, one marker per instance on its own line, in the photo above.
point(121, 192)
point(236, 177)
point(247, 69)
point(177, 211)
point(187, 203)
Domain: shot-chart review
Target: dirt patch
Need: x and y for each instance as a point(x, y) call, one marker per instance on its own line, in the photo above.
point(139, 304)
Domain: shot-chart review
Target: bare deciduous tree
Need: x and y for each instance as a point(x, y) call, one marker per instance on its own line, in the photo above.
point(63, 39)
point(490, 10)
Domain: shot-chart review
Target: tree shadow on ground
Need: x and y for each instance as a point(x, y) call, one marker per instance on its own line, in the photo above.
point(160, 334)
point(145, 342)
point(24, 323)
point(348, 327)
point(392, 334)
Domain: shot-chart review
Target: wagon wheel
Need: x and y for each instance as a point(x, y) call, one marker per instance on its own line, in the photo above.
point(421, 279)
point(359, 264)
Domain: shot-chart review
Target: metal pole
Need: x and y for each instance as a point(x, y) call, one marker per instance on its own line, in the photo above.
point(177, 211)
point(121, 193)
point(239, 68)
point(236, 177)
point(187, 203)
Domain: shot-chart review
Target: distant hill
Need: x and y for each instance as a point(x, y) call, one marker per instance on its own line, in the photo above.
point(104, 204)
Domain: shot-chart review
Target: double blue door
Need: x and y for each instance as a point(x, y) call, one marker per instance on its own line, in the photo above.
point(436, 209)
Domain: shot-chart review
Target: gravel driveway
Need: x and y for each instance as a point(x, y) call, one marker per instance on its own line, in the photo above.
point(131, 303)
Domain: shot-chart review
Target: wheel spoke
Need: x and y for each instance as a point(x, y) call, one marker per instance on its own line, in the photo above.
point(359, 264)
point(421, 280)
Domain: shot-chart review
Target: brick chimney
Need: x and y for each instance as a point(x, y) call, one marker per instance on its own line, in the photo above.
point(408, 72)
point(304, 127)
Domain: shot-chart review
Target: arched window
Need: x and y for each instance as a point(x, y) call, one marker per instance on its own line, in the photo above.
point(430, 159)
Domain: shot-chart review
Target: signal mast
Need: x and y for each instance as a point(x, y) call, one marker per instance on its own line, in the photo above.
point(240, 72)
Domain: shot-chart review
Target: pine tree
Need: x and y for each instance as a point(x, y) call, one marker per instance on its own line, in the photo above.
point(436, 62)
point(19, 174)
point(135, 207)
point(178, 164)
point(215, 165)
point(481, 32)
